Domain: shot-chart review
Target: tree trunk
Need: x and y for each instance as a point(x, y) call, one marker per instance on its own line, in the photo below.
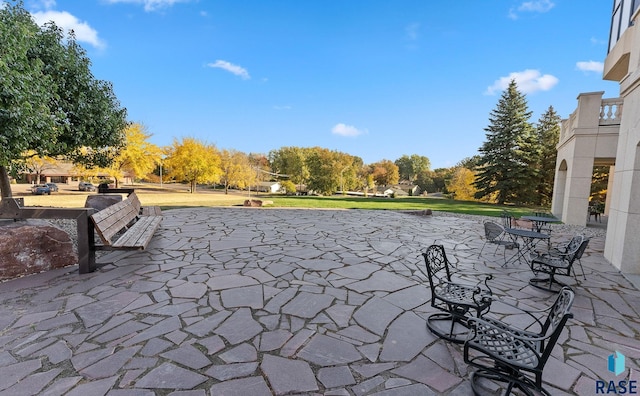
point(5, 185)
point(193, 186)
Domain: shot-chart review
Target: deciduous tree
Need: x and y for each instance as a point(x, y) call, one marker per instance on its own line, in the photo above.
point(35, 164)
point(236, 170)
point(193, 161)
point(137, 157)
point(461, 184)
point(290, 161)
point(409, 167)
point(331, 170)
point(51, 103)
point(385, 173)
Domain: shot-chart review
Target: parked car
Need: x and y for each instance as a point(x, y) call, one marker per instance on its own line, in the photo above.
point(86, 186)
point(53, 187)
point(40, 189)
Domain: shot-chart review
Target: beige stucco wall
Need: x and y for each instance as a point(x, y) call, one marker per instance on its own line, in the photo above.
point(583, 143)
point(622, 247)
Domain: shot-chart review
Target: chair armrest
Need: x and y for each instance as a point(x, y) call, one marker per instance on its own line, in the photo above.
point(474, 277)
point(530, 312)
point(495, 326)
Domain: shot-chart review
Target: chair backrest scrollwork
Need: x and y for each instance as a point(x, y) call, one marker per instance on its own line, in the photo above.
point(435, 262)
point(558, 316)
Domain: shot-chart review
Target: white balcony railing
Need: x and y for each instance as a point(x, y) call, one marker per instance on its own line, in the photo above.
point(610, 115)
point(611, 111)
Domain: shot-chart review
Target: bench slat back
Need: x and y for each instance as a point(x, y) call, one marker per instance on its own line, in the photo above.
point(135, 201)
point(109, 221)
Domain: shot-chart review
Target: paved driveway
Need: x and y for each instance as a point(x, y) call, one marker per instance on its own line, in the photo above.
point(240, 301)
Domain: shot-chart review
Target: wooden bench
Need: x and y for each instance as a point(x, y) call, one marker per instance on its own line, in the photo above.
point(125, 225)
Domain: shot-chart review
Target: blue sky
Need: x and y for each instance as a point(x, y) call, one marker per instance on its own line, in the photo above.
point(376, 79)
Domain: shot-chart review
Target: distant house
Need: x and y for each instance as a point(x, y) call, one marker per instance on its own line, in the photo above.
point(382, 191)
point(63, 172)
point(268, 187)
point(399, 190)
point(58, 172)
point(410, 189)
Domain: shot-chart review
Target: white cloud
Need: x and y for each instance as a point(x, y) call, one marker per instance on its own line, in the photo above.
point(150, 5)
point(538, 6)
point(285, 107)
point(412, 31)
point(590, 66)
point(347, 130)
point(231, 68)
point(528, 81)
point(66, 21)
point(42, 4)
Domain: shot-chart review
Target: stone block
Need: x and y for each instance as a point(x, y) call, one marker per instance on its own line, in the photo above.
point(28, 248)
point(102, 201)
point(255, 203)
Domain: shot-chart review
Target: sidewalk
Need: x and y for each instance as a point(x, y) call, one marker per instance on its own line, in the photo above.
point(245, 301)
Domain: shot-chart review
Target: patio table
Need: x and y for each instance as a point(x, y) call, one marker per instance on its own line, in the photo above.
point(540, 221)
point(529, 241)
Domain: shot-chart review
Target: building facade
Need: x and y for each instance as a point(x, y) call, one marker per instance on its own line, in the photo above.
point(607, 132)
point(622, 64)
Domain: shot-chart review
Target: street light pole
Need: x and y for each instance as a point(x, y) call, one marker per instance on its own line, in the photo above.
point(162, 157)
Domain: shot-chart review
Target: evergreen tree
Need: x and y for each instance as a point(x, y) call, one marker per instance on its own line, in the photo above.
point(507, 164)
point(547, 134)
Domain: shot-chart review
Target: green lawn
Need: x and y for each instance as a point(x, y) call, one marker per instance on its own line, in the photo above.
point(168, 199)
point(405, 203)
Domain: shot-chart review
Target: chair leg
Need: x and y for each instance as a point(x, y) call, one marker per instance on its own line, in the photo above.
point(512, 379)
point(483, 245)
point(452, 335)
point(539, 282)
point(582, 269)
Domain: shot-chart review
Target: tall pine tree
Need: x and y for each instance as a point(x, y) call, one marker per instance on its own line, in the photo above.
point(507, 166)
point(547, 134)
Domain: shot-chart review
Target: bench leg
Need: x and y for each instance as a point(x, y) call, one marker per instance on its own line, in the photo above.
point(86, 246)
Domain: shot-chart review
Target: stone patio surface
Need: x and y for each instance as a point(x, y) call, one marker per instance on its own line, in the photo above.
point(242, 301)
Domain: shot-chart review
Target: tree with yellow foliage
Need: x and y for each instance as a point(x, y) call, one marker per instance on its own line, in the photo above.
point(385, 173)
point(461, 184)
point(37, 164)
point(138, 157)
point(193, 161)
point(236, 170)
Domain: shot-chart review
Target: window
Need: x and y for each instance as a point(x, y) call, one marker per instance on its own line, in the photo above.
point(621, 19)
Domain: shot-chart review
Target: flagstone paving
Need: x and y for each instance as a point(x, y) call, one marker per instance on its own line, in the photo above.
point(242, 301)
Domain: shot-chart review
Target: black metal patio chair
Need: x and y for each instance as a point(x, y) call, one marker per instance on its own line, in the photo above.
point(558, 262)
point(456, 300)
point(508, 220)
point(494, 234)
point(516, 357)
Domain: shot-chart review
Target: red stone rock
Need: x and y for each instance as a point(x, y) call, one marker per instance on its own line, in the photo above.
point(253, 202)
point(28, 249)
